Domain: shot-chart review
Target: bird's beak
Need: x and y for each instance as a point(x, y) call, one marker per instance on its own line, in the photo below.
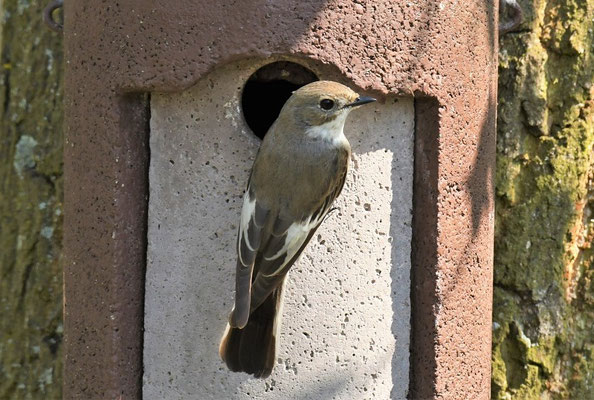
point(360, 101)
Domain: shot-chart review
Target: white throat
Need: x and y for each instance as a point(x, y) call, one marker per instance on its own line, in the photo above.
point(331, 131)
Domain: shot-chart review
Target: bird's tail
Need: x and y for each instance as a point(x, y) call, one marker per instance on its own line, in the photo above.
point(253, 348)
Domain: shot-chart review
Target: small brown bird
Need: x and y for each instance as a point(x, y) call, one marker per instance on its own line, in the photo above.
point(299, 170)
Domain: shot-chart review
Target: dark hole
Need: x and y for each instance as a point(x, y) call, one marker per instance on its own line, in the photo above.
point(267, 90)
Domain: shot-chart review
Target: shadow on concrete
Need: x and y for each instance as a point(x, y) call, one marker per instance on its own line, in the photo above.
point(424, 249)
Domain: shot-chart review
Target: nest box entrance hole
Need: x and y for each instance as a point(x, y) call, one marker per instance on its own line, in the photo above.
point(267, 90)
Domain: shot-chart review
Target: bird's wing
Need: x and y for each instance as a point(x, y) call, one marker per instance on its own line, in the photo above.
point(249, 239)
point(268, 245)
point(287, 241)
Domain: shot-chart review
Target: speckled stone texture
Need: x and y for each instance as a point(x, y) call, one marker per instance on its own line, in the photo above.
point(346, 324)
point(441, 52)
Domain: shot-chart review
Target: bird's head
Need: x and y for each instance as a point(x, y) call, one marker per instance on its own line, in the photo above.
point(323, 104)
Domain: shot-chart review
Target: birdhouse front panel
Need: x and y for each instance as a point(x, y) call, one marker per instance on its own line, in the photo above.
point(139, 71)
point(346, 317)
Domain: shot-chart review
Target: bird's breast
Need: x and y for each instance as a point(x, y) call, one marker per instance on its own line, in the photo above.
point(296, 179)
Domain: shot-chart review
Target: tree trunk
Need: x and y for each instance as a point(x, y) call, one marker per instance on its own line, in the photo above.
point(30, 204)
point(543, 340)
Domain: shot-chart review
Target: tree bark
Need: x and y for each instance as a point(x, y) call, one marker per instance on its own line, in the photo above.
point(30, 204)
point(543, 341)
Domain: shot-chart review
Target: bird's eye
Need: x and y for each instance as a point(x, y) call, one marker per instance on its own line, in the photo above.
point(326, 104)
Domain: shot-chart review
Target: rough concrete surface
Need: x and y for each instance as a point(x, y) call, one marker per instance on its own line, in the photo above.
point(346, 322)
point(442, 52)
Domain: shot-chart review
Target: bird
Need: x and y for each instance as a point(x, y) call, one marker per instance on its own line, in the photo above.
point(300, 169)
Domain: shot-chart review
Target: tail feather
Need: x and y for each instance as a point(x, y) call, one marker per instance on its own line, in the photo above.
point(252, 349)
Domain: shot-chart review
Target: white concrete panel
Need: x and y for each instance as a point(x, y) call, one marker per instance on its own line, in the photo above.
point(346, 321)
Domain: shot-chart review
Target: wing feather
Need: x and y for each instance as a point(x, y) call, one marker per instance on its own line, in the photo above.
point(268, 244)
point(275, 263)
point(249, 239)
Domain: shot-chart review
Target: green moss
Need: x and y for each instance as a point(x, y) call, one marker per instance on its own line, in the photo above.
point(543, 354)
point(581, 381)
point(30, 205)
point(532, 387)
point(543, 298)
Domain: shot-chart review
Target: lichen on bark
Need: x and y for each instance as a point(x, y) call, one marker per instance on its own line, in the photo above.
point(543, 346)
point(30, 204)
